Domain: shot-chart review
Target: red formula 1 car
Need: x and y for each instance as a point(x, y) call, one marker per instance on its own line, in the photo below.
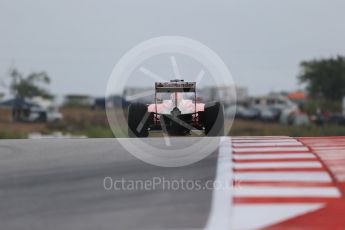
point(176, 115)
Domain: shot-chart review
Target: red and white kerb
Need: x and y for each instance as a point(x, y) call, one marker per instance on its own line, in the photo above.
point(288, 183)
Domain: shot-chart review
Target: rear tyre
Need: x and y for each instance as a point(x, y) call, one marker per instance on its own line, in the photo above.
point(214, 119)
point(137, 125)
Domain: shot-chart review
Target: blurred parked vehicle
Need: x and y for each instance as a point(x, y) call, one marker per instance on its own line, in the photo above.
point(251, 113)
point(300, 119)
point(271, 114)
point(234, 111)
point(231, 111)
point(98, 103)
point(50, 114)
point(36, 109)
point(318, 119)
point(336, 119)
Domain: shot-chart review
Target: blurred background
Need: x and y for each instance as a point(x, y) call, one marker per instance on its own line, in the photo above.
point(287, 60)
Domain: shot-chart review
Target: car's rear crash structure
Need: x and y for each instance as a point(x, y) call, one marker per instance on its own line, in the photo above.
point(176, 116)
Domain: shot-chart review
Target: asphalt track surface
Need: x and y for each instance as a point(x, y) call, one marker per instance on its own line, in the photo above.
point(58, 184)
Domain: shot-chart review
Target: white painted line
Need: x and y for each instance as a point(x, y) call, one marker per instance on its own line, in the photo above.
point(273, 156)
point(283, 176)
point(311, 164)
point(270, 149)
point(266, 141)
point(269, 153)
point(255, 191)
point(262, 137)
point(221, 206)
point(249, 216)
point(271, 144)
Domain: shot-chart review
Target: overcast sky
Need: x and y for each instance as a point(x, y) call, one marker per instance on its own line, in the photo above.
point(79, 42)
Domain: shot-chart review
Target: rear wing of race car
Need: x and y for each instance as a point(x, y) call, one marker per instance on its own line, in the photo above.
point(175, 86)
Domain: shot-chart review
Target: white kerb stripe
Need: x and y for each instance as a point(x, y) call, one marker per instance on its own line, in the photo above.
point(271, 149)
point(271, 144)
point(283, 176)
point(273, 156)
point(251, 191)
point(262, 137)
point(312, 164)
point(265, 141)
